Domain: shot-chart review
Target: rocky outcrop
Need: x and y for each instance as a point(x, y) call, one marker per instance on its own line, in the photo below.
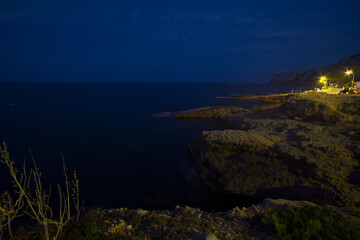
point(274, 98)
point(323, 108)
point(334, 72)
point(209, 112)
point(309, 110)
point(295, 151)
point(283, 159)
point(192, 223)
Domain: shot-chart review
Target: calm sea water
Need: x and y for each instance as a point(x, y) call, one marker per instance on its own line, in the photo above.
point(123, 155)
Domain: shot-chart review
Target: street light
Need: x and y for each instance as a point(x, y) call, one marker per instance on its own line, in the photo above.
point(323, 79)
point(349, 72)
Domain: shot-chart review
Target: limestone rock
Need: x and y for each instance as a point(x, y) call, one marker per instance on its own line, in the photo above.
point(280, 158)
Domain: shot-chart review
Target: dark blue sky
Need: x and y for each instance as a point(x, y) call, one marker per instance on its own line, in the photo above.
point(172, 41)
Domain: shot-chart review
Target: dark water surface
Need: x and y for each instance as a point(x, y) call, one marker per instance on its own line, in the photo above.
point(124, 156)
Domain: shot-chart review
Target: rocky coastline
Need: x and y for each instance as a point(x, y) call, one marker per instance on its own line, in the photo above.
point(300, 152)
point(302, 149)
point(305, 147)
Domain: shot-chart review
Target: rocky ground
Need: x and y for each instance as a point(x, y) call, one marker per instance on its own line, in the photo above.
point(306, 147)
point(191, 223)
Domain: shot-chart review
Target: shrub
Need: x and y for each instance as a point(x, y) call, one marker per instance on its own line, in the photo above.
point(32, 199)
point(91, 230)
point(311, 223)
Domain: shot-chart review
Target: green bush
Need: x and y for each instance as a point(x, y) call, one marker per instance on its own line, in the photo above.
point(91, 230)
point(311, 223)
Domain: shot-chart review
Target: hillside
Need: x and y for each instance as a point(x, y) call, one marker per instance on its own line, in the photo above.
point(310, 77)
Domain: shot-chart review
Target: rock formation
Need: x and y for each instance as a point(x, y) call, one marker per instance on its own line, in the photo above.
point(304, 149)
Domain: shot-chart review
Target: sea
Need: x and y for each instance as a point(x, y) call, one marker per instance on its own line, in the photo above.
point(120, 139)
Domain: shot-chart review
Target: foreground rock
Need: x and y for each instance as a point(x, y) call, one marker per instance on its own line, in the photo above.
point(304, 149)
point(256, 222)
point(192, 223)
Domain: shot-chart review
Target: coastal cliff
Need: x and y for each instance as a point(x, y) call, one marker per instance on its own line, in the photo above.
point(310, 77)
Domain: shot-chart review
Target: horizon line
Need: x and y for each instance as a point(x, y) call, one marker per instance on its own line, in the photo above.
point(51, 82)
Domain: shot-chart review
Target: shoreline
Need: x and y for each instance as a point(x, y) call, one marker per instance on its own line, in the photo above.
point(297, 152)
point(296, 139)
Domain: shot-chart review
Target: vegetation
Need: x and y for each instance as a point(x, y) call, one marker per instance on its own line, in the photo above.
point(311, 223)
point(31, 199)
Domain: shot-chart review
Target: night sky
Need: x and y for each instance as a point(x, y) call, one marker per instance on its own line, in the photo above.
point(172, 41)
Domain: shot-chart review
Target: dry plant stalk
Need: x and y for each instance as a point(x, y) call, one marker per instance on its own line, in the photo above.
point(75, 194)
point(8, 211)
point(37, 199)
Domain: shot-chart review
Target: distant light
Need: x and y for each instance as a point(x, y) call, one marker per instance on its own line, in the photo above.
point(323, 79)
point(348, 72)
